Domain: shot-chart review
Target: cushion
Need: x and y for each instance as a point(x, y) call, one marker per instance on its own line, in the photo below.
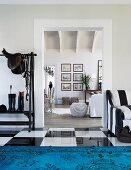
point(74, 100)
point(65, 100)
point(121, 97)
point(127, 111)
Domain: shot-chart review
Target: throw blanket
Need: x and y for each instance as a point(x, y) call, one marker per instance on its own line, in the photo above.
point(127, 111)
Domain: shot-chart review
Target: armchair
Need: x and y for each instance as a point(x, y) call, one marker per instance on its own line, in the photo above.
point(95, 105)
point(118, 109)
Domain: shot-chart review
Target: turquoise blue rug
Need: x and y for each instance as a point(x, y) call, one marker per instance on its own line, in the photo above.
point(65, 158)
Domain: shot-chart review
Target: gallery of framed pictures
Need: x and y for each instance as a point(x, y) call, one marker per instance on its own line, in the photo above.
point(66, 77)
point(65, 86)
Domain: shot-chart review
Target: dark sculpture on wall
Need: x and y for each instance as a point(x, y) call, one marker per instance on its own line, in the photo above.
point(15, 62)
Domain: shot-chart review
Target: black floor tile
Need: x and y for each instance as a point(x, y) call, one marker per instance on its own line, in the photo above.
point(24, 141)
point(88, 129)
point(36, 129)
point(109, 134)
point(60, 134)
point(93, 142)
point(8, 133)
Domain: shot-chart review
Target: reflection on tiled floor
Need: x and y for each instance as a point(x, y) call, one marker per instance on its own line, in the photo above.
point(88, 129)
point(92, 141)
point(90, 134)
point(60, 134)
point(59, 141)
point(96, 136)
point(25, 141)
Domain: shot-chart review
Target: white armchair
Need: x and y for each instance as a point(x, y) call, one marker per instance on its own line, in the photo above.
point(95, 105)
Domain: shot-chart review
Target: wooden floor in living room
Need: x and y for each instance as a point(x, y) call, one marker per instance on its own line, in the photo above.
point(64, 119)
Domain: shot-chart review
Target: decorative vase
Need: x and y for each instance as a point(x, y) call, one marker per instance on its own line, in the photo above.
point(21, 101)
point(12, 101)
point(87, 87)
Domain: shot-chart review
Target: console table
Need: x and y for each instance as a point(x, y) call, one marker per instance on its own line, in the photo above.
point(91, 91)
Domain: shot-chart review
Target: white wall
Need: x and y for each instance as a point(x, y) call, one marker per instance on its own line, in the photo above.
point(17, 34)
point(90, 66)
point(16, 29)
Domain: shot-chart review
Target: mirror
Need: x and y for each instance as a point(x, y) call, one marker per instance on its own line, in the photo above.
point(99, 74)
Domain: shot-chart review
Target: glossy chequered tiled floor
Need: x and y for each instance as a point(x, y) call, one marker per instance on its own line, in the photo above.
point(60, 137)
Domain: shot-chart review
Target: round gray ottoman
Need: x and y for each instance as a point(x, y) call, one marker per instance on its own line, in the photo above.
point(78, 109)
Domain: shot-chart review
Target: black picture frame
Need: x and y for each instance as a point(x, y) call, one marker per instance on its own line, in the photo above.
point(65, 76)
point(77, 76)
point(66, 67)
point(65, 86)
point(77, 67)
point(77, 86)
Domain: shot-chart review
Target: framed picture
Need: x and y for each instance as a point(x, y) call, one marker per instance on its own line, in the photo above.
point(65, 76)
point(77, 87)
point(78, 67)
point(65, 67)
point(77, 76)
point(65, 86)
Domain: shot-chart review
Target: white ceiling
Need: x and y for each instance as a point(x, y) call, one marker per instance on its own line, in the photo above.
point(75, 41)
point(65, 2)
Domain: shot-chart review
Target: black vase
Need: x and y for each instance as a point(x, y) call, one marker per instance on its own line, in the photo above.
point(12, 102)
point(87, 87)
point(21, 101)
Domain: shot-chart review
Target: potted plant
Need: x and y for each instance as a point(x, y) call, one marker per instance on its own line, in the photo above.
point(86, 80)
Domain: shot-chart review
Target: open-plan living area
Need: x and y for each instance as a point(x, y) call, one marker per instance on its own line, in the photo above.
point(65, 89)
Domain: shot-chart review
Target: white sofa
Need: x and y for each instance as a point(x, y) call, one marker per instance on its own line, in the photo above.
point(118, 109)
point(95, 105)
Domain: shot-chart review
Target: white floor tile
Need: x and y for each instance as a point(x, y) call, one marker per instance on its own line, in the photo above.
point(61, 129)
point(115, 142)
point(89, 134)
point(4, 140)
point(31, 134)
point(104, 129)
point(48, 141)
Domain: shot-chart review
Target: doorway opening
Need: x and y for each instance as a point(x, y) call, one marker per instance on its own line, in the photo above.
point(76, 54)
point(41, 25)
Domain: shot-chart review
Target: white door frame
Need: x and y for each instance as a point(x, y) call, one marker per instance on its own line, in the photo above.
point(40, 25)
